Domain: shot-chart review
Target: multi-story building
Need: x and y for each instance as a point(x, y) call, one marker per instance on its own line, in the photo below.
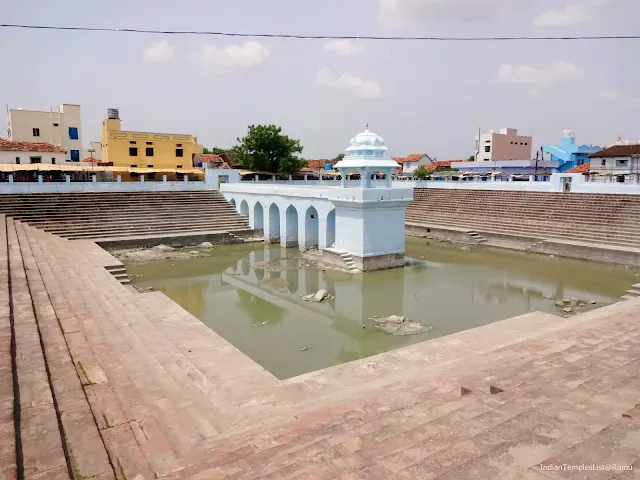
point(504, 145)
point(568, 154)
point(62, 128)
point(144, 149)
point(620, 161)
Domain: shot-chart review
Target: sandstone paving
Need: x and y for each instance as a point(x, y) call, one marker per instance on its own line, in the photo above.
point(142, 388)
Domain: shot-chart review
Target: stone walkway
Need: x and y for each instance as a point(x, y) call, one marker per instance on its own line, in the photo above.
point(115, 384)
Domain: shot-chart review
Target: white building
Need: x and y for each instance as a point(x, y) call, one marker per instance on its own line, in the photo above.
point(62, 128)
point(618, 160)
point(22, 153)
point(504, 145)
point(414, 161)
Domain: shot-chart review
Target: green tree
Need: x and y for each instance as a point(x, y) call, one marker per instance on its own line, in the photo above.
point(338, 158)
point(265, 148)
point(217, 151)
point(421, 173)
point(472, 158)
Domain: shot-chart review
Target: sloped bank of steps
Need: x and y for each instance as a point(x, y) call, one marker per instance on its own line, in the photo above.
point(129, 216)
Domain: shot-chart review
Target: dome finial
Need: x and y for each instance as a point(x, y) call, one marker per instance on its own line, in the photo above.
point(367, 127)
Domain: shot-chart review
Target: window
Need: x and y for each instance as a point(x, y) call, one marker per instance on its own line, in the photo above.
point(18, 160)
point(36, 132)
point(35, 159)
point(179, 152)
point(487, 148)
point(526, 143)
point(149, 151)
point(149, 166)
point(580, 161)
point(73, 133)
point(511, 143)
point(75, 155)
point(133, 151)
point(520, 143)
point(55, 124)
point(178, 145)
point(487, 141)
point(149, 143)
point(134, 166)
point(132, 142)
point(53, 161)
point(622, 163)
point(603, 162)
point(151, 175)
point(178, 166)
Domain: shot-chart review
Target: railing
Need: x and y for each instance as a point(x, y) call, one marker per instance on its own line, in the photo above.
point(70, 187)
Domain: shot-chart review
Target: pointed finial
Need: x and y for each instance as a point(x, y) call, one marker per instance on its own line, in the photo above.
point(367, 126)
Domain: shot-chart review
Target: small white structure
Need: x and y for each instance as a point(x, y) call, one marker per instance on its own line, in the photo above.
point(370, 222)
point(62, 128)
point(414, 161)
point(504, 145)
point(24, 153)
point(361, 226)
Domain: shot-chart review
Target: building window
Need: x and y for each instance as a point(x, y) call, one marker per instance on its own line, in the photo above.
point(73, 133)
point(487, 148)
point(622, 163)
point(178, 144)
point(35, 159)
point(55, 124)
point(134, 166)
point(178, 166)
point(151, 175)
point(511, 143)
point(18, 160)
point(580, 161)
point(132, 142)
point(149, 143)
point(53, 161)
point(75, 155)
point(487, 141)
point(149, 151)
point(603, 162)
point(149, 166)
point(133, 151)
point(179, 152)
point(36, 132)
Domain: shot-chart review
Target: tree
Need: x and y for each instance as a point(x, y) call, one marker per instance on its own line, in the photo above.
point(216, 150)
point(265, 148)
point(338, 158)
point(421, 173)
point(472, 158)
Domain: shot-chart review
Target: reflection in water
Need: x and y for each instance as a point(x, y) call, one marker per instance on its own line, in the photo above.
point(252, 296)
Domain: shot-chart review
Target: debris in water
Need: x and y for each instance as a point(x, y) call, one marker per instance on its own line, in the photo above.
point(304, 349)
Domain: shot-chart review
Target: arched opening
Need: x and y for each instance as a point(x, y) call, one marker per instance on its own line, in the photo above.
point(244, 208)
point(258, 216)
point(232, 201)
point(331, 228)
point(291, 239)
point(311, 228)
point(274, 222)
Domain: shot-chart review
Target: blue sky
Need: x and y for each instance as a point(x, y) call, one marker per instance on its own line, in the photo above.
point(426, 97)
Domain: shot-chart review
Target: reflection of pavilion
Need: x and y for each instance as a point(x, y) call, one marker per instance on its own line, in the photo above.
point(356, 297)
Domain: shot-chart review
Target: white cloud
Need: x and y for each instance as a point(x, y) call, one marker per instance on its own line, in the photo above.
point(345, 48)
point(402, 11)
point(609, 95)
point(537, 79)
point(158, 52)
point(585, 12)
point(356, 86)
point(245, 55)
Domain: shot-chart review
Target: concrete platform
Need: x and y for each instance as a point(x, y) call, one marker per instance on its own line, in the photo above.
point(114, 384)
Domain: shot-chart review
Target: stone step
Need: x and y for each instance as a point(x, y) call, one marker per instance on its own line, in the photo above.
point(530, 232)
point(159, 232)
point(108, 223)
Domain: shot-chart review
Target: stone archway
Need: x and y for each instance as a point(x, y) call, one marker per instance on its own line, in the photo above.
point(311, 228)
point(331, 228)
point(291, 228)
point(258, 216)
point(274, 224)
point(244, 208)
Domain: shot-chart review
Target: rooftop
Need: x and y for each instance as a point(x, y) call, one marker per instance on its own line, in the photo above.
point(584, 168)
point(630, 150)
point(11, 146)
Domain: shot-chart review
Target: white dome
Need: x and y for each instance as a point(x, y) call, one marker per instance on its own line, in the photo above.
point(367, 139)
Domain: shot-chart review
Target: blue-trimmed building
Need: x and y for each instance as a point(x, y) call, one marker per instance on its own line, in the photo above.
point(568, 154)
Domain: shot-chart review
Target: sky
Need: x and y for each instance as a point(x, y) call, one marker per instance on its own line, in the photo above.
point(421, 97)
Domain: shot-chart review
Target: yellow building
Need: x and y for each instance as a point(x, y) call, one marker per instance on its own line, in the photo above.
point(143, 149)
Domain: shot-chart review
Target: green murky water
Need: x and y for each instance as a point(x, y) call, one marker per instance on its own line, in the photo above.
point(262, 313)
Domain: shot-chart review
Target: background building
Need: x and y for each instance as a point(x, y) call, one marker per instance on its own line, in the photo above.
point(414, 161)
point(568, 154)
point(24, 153)
point(505, 145)
point(144, 149)
point(617, 160)
point(62, 128)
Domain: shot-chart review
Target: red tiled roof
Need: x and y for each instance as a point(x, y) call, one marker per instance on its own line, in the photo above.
point(399, 160)
point(318, 163)
point(446, 163)
point(90, 160)
point(306, 169)
point(618, 151)
point(11, 146)
point(414, 157)
point(210, 158)
point(584, 168)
